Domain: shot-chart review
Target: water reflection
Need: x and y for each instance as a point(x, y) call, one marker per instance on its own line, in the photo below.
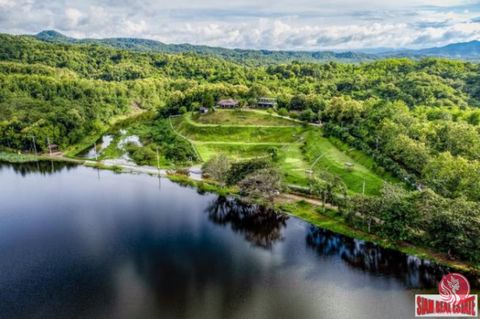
point(261, 226)
point(44, 167)
point(184, 274)
point(120, 248)
point(369, 257)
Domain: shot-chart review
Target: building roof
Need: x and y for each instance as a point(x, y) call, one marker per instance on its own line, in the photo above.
point(227, 102)
point(267, 99)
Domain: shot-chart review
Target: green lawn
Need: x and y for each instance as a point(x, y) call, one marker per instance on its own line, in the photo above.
point(235, 151)
point(363, 159)
point(299, 146)
point(293, 165)
point(323, 155)
point(246, 134)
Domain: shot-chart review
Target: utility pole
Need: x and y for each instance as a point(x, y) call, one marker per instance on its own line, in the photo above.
point(36, 154)
point(49, 148)
point(159, 175)
point(50, 152)
point(363, 187)
point(34, 145)
point(95, 151)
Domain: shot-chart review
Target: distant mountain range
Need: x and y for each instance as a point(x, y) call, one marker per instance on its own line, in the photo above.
point(463, 51)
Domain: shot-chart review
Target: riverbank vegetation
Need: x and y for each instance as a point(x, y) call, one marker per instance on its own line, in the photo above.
point(393, 144)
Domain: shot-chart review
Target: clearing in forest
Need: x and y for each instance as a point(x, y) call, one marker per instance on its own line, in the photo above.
point(300, 148)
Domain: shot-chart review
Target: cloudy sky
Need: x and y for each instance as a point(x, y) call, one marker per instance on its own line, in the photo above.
point(256, 24)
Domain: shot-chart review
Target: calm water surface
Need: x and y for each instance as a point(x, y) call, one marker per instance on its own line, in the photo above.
point(80, 243)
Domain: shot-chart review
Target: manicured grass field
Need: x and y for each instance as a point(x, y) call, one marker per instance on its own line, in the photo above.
point(362, 158)
point(300, 148)
point(323, 155)
point(236, 151)
point(245, 134)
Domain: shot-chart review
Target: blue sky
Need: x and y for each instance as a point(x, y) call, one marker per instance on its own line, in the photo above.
point(256, 24)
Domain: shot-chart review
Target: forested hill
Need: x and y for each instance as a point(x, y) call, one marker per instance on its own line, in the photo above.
point(238, 55)
point(106, 81)
point(464, 51)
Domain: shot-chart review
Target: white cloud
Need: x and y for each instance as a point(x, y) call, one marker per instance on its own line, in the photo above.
point(132, 28)
point(73, 16)
point(7, 3)
point(268, 24)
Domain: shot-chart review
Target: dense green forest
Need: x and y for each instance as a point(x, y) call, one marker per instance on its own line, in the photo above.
point(418, 120)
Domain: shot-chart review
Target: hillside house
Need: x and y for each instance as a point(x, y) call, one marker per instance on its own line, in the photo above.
point(265, 102)
point(227, 104)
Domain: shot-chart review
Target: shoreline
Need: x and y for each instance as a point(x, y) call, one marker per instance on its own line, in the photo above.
point(303, 208)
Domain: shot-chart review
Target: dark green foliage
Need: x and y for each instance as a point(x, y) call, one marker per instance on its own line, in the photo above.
point(141, 155)
point(273, 152)
point(240, 170)
point(262, 184)
point(217, 168)
point(283, 112)
point(454, 228)
point(307, 116)
point(157, 133)
point(450, 226)
point(180, 152)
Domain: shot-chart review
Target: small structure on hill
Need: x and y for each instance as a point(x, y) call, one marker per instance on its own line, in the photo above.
point(203, 110)
point(227, 104)
point(266, 102)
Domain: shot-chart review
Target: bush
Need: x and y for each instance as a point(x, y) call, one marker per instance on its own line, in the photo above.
point(274, 153)
point(307, 116)
point(141, 155)
point(264, 183)
point(283, 111)
point(293, 115)
point(240, 170)
point(217, 167)
point(180, 151)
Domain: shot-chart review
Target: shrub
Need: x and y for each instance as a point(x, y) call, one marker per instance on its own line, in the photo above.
point(217, 167)
point(283, 112)
point(240, 170)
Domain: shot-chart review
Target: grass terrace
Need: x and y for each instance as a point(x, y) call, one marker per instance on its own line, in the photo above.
point(246, 134)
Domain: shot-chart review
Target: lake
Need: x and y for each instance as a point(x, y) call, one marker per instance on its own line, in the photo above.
point(76, 242)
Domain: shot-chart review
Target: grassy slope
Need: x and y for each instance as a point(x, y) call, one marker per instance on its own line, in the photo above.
point(240, 117)
point(240, 134)
point(333, 160)
point(249, 134)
